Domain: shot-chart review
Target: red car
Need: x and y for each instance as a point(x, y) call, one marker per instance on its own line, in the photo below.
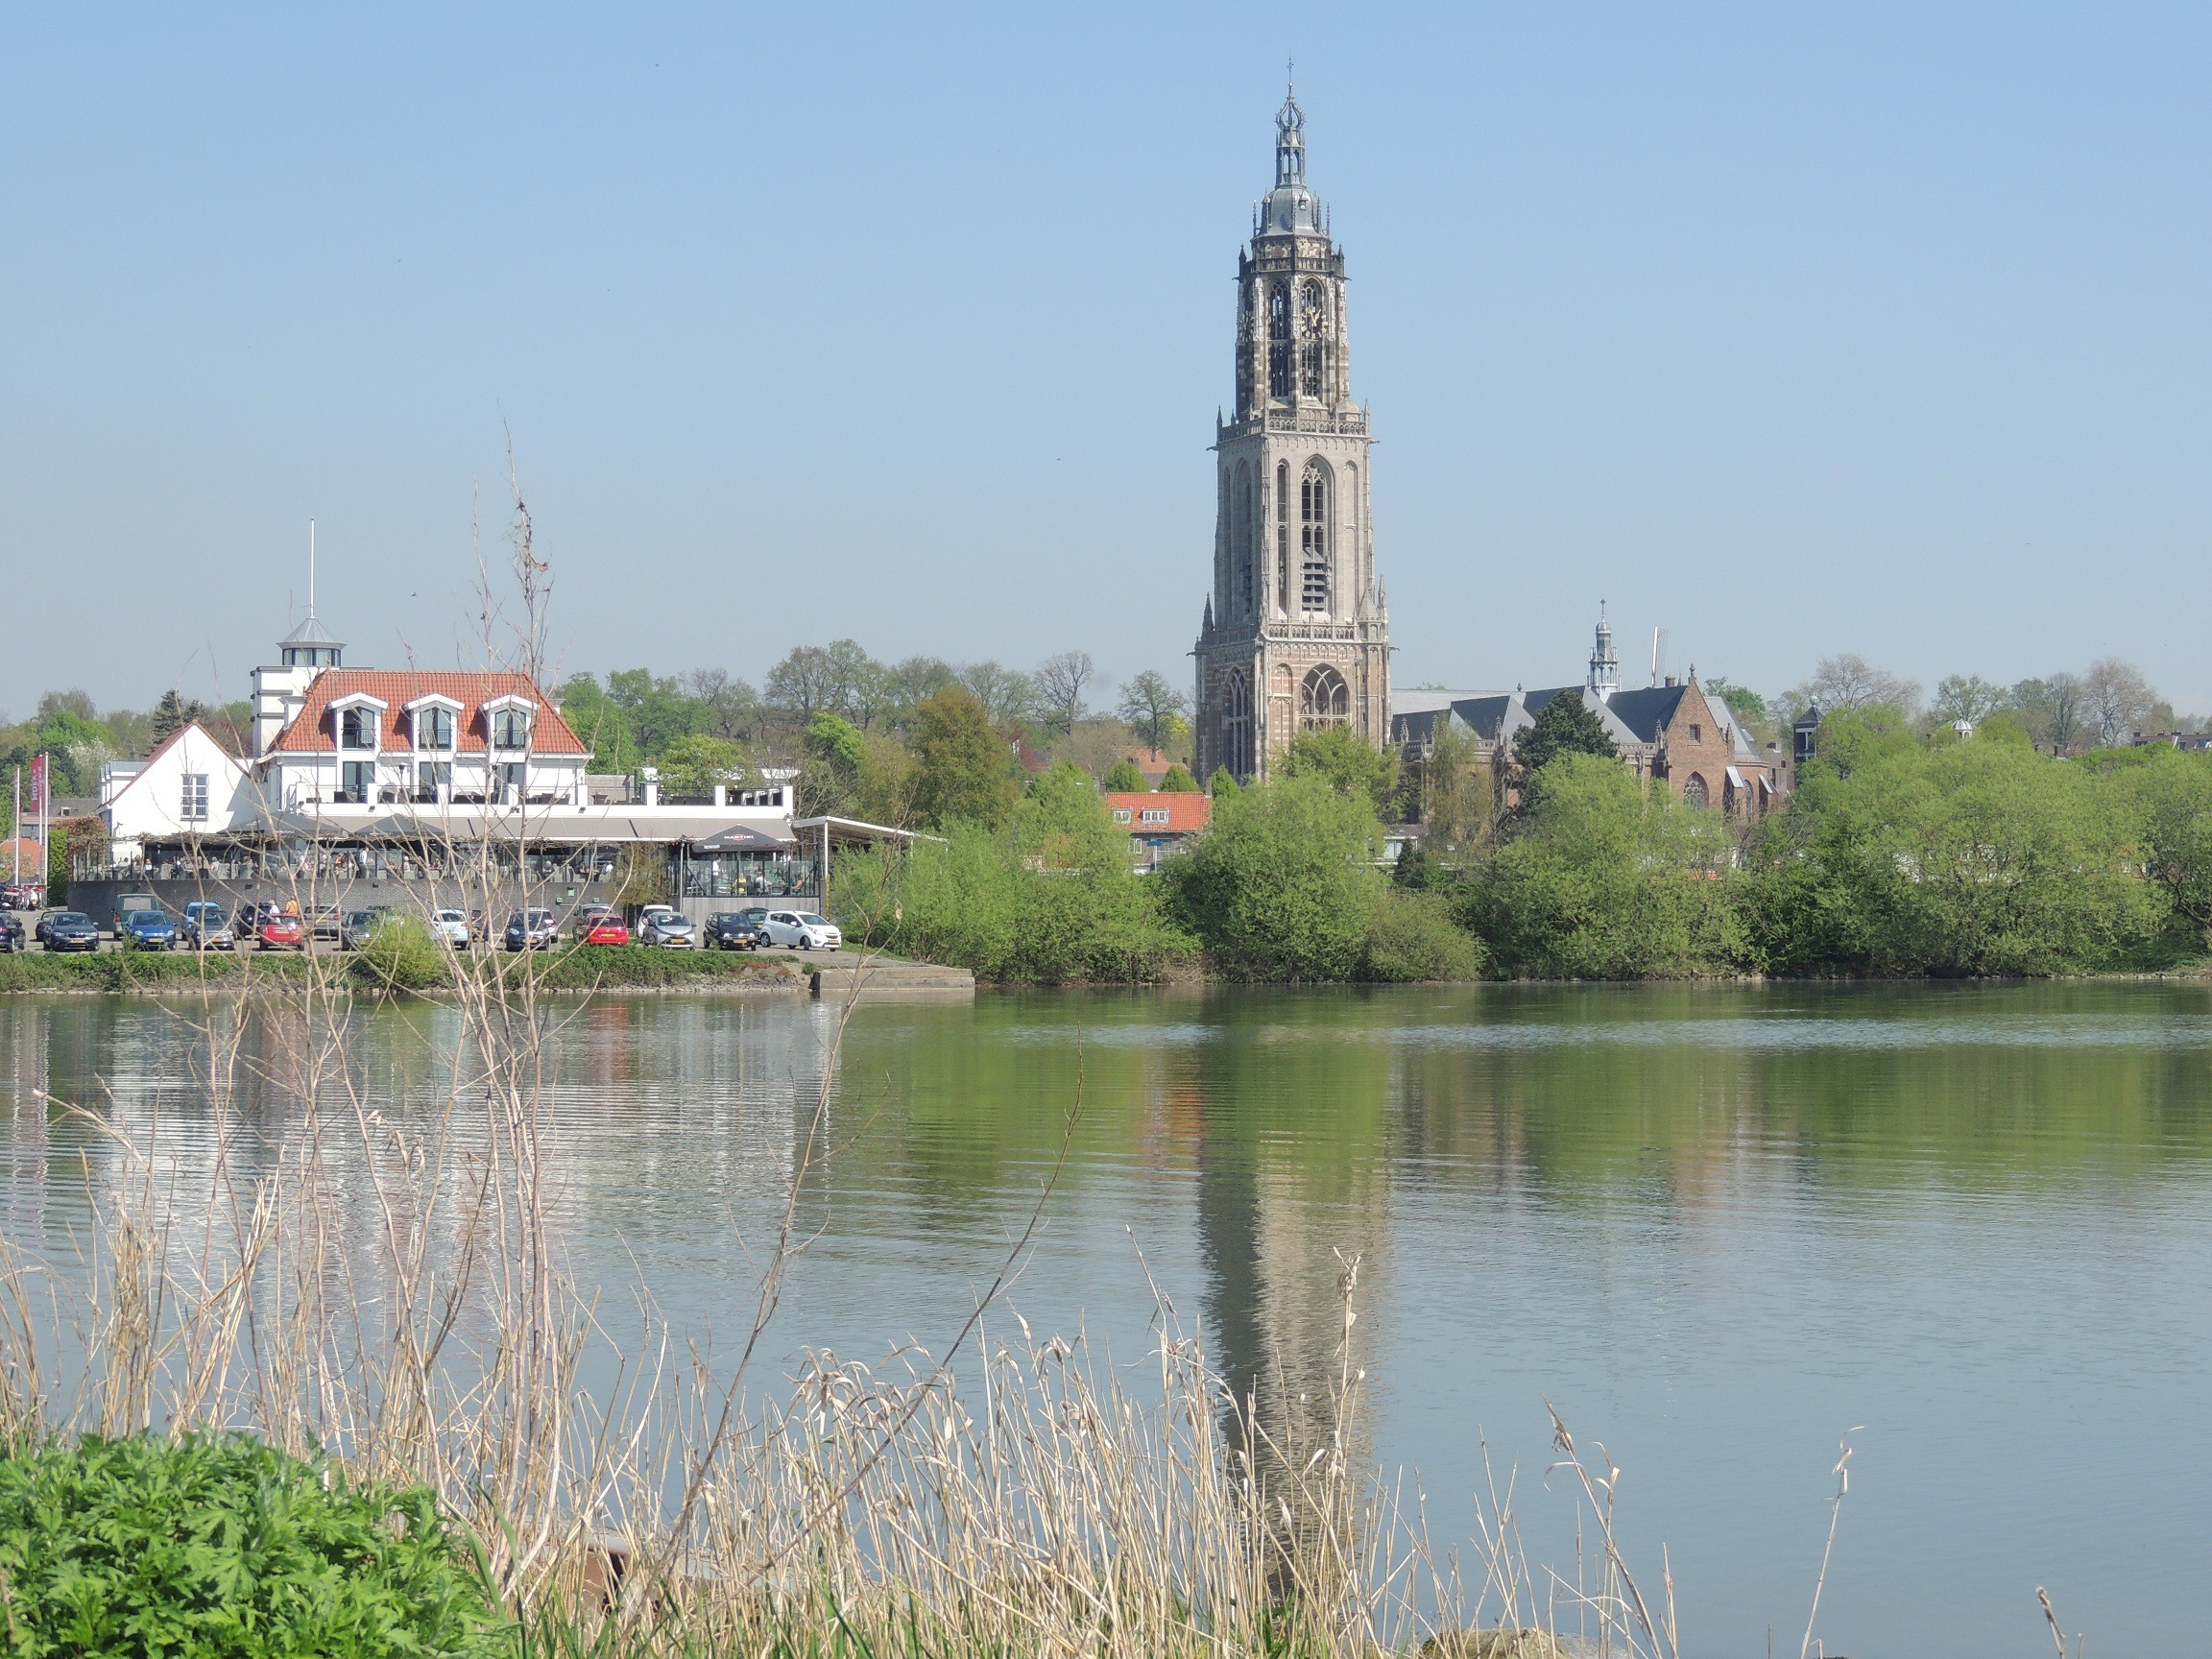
point(282, 933)
point(606, 929)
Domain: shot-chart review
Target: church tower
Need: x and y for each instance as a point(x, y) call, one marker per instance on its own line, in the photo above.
point(1296, 633)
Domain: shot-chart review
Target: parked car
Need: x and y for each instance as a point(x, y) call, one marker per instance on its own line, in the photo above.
point(353, 933)
point(247, 924)
point(734, 930)
point(328, 924)
point(588, 916)
point(11, 933)
point(603, 927)
point(206, 927)
point(127, 905)
point(281, 932)
point(452, 926)
point(648, 912)
point(670, 930)
point(532, 931)
point(147, 930)
point(23, 896)
point(68, 930)
point(804, 929)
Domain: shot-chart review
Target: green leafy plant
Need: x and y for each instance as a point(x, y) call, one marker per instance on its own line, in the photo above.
point(400, 956)
point(222, 1546)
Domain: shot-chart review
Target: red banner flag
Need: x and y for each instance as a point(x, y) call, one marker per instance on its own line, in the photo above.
point(36, 807)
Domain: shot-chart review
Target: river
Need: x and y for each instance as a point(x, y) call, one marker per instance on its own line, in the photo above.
point(1716, 1227)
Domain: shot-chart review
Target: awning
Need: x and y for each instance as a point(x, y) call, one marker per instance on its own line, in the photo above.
point(1736, 778)
point(741, 838)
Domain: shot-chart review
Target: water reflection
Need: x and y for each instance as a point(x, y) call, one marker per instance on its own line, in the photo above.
point(1723, 1223)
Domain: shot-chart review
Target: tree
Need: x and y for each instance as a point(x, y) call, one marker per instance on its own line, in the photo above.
point(1745, 704)
point(1457, 795)
point(1346, 762)
point(1178, 782)
point(1060, 681)
point(603, 727)
point(1007, 694)
point(817, 677)
point(1223, 783)
point(1564, 726)
point(1124, 777)
point(963, 769)
point(1606, 882)
point(1154, 707)
point(75, 702)
point(2052, 711)
point(656, 710)
point(690, 767)
point(170, 716)
point(2175, 794)
point(1966, 697)
point(2115, 697)
point(733, 708)
point(1284, 884)
point(1851, 682)
point(917, 678)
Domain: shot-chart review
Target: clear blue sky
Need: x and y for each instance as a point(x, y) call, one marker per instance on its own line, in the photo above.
point(1794, 331)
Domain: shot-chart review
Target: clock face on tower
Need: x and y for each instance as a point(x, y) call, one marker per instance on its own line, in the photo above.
point(1315, 318)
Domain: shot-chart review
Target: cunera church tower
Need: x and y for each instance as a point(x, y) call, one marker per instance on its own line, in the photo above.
point(1296, 633)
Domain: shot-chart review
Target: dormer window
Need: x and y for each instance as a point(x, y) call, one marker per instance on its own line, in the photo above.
point(357, 728)
point(509, 721)
point(434, 728)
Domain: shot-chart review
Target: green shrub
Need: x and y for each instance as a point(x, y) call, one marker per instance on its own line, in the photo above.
point(219, 1547)
point(400, 954)
point(1050, 897)
point(1411, 936)
point(1282, 884)
point(1606, 881)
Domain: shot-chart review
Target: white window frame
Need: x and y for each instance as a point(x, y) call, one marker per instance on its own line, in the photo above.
point(193, 796)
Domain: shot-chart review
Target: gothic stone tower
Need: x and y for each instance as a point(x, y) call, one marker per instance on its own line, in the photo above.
point(1296, 633)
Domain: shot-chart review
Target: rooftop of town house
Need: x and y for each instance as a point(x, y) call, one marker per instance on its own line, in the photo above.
point(310, 731)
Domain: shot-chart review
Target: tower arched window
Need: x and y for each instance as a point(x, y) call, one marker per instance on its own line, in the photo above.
point(1283, 534)
point(1312, 341)
point(1694, 790)
point(1240, 552)
point(1279, 340)
point(1324, 700)
point(1314, 538)
point(1237, 723)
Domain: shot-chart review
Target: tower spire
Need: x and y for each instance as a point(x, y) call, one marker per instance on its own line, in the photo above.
point(1605, 677)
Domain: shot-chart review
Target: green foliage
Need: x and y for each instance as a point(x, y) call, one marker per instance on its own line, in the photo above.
point(1564, 726)
point(1178, 780)
point(400, 954)
point(1605, 881)
point(690, 767)
point(1283, 884)
point(225, 1548)
point(1455, 794)
point(963, 769)
point(1745, 704)
point(1152, 705)
point(1124, 778)
point(1967, 858)
point(1412, 936)
point(2173, 792)
point(643, 966)
point(833, 738)
point(1223, 782)
point(1346, 762)
point(1048, 898)
point(640, 876)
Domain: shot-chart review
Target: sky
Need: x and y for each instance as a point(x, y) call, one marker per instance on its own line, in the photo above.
point(1792, 330)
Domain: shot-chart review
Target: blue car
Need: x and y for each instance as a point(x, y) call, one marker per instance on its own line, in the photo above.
point(148, 930)
point(68, 930)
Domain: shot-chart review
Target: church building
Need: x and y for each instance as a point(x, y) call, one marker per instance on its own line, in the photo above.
point(1296, 635)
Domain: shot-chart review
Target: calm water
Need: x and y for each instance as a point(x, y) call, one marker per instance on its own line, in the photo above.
point(1716, 1227)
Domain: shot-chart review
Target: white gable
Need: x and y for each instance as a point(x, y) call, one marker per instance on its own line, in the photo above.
point(191, 786)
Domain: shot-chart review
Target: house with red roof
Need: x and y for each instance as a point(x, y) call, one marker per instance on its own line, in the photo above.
point(1158, 821)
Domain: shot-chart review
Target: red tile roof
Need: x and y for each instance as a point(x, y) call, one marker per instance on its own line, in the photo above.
point(1187, 811)
point(397, 688)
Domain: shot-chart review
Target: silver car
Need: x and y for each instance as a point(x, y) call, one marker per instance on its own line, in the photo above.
point(669, 928)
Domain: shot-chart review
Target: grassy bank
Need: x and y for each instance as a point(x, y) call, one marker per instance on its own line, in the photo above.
point(577, 968)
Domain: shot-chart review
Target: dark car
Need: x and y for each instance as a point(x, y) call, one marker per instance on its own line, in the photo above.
point(69, 930)
point(247, 924)
point(206, 927)
point(735, 930)
point(11, 933)
point(147, 930)
point(532, 931)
